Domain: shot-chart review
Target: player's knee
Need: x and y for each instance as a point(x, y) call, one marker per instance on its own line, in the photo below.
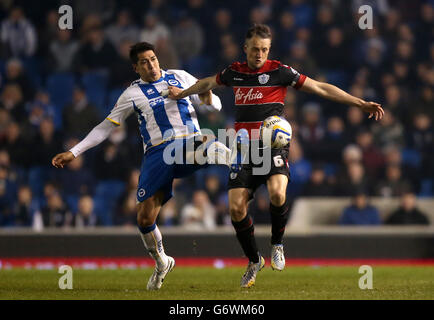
point(144, 217)
point(277, 198)
point(238, 211)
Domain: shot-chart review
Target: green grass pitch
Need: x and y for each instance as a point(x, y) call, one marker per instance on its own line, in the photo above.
point(186, 283)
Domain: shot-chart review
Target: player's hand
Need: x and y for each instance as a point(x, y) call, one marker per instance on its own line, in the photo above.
point(61, 159)
point(206, 97)
point(175, 93)
point(374, 109)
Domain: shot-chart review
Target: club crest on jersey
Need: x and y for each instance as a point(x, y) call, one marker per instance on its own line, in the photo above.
point(173, 82)
point(141, 192)
point(263, 78)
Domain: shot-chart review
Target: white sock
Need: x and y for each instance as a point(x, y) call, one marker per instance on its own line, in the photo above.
point(218, 153)
point(153, 242)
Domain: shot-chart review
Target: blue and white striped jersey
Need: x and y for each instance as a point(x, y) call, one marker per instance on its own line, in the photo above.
point(160, 119)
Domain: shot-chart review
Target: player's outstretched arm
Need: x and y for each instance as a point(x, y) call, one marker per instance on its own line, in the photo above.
point(331, 92)
point(201, 87)
point(95, 137)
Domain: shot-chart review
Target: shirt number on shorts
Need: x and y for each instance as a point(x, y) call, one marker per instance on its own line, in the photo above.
point(278, 161)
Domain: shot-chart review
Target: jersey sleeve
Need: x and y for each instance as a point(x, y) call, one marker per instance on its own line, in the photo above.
point(223, 77)
point(291, 77)
point(188, 81)
point(122, 109)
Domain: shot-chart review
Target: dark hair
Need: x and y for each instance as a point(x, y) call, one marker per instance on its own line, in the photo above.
point(139, 47)
point(261, 30)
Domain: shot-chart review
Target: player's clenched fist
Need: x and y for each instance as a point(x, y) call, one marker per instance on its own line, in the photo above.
point(62, 158)
point(174, 93)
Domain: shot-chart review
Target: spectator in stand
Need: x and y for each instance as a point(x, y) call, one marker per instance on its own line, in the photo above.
point(56, 213)
point(122, 73)
point(46, 143)
point(360, 212)
point(286, 34)
point(334, 55)
point(311, 131)
point(300, 59)
point(318, 185)
point(80, 116)
point(200, 213)
point(223, 24)
point(15, 74)
point(12, 100)
point(351, 180)
point(354, 123)
point(393, 185)
point(421, 139)
point(188, 38)
point(76, 179)
point(408, 213)
point(260, 207)
point(126, 214)
point(110, 163)
point(18, 35)
point(154, 31)
point(8, 191)
point(334, 141)
point(16, 145)
point(388, 131)
point(124, 29)
point(213, 188)
point(394, 101)
point(62, 52)
point(25, 207)
point(158, 34)
point(372, 157)
point(41, 108)
point(85, 216)
point(97, 53)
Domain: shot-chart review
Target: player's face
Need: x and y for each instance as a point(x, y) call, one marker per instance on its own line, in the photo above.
point(257, 50)
point(148, 66)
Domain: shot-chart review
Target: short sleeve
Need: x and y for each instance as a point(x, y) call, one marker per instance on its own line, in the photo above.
point(223, 77)
point(122, 109)
point(291, 77)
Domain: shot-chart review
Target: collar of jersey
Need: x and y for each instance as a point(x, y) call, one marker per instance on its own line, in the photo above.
point(163, 75)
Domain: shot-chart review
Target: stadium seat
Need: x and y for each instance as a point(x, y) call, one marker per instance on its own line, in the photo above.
point(33, 69)
point(426, 188)
point(72, 202)
point(107, 194)
point(95, 85)
point(60, 87)
point(112, 98)
point(411, 157)
point(38, 175)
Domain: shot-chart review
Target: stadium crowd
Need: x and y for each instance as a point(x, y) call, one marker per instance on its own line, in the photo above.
point(55, 85)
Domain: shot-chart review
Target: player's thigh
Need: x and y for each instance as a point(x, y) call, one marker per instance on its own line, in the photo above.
point(276, 185)
point(238, 201)
point(148, 209)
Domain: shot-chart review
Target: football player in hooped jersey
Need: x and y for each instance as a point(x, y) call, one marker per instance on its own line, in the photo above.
point(165, 124)
point(259, 87)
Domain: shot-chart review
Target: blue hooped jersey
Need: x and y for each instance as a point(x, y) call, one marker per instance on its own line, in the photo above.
point(160, 119)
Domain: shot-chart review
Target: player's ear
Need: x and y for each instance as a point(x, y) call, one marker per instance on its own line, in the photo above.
point(135, 67)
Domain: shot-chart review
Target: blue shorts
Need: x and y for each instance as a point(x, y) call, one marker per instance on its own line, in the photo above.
point(156, 175)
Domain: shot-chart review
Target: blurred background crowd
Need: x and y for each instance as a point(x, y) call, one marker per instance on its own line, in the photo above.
point(56, 85)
